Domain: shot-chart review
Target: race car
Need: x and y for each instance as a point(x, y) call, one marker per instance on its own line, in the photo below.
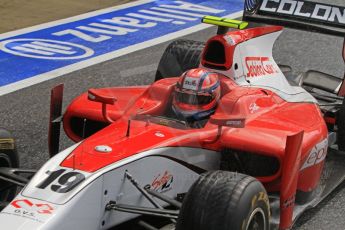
point(271, 147)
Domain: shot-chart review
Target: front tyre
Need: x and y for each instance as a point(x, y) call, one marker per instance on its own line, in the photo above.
point(222, 200)
point(8, 158)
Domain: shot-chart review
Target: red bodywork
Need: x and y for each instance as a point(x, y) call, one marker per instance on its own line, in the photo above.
point(237, 37)
point(265, 130)
point(270, 125)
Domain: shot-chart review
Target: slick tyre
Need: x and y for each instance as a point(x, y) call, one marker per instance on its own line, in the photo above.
point(224, 200)
point(179, 56)
point(341, 127)
point(10, 159)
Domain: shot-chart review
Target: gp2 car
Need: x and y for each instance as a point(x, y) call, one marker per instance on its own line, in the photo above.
point(272, 149)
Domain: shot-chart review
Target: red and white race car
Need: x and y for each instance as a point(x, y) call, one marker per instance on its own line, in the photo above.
point(258, 162)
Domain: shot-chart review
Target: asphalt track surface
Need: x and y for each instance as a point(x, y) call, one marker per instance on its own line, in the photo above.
point(26, 112)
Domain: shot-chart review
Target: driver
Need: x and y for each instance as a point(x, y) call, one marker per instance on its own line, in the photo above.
point(196, 95)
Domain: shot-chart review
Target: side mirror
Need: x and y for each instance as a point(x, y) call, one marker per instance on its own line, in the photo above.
point(97, 96)
point(228, 121)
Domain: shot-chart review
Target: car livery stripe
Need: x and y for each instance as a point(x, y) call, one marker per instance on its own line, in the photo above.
point(33, 55)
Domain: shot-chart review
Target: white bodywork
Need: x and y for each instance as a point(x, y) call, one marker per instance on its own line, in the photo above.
point(84, 206)
point(257, 68)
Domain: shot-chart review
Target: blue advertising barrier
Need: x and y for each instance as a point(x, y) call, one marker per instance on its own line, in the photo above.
point(67, 45)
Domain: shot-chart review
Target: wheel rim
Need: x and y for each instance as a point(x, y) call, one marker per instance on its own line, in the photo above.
point(5, 187)
point(257, 220)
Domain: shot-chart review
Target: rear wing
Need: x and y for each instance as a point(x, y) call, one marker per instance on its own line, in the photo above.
point(299, 14)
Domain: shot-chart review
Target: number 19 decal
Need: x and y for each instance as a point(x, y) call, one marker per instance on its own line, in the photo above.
point(66, 182)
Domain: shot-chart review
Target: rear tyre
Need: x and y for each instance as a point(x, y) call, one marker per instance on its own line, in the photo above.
point(224, 200)
point(8, 158)
point(179, 56)
point(341, 127)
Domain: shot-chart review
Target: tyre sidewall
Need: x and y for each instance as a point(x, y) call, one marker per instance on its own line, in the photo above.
point(8, 158)
point(254, 197)
point(223, 200)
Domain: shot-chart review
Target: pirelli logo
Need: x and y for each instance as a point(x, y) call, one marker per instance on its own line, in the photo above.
point(6, 143)
point(304, 9)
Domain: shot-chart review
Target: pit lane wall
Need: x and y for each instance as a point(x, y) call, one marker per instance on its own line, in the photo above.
point(32, 55)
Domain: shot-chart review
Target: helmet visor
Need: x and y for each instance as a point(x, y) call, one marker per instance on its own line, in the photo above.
point(193, 99)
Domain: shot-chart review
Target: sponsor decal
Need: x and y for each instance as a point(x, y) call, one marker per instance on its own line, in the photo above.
point(260, 66)
point(45, 49)
point(303, 9)
point(261, 196)
point(191, 83)
point(316, 155)
point(229, 40)
point(253, 107)
point(234, 123)
point(289, 202)
point(26, 208)
point(41, 208)
point(163, 183)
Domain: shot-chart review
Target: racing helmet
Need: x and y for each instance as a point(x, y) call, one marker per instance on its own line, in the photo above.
point(196, 94)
